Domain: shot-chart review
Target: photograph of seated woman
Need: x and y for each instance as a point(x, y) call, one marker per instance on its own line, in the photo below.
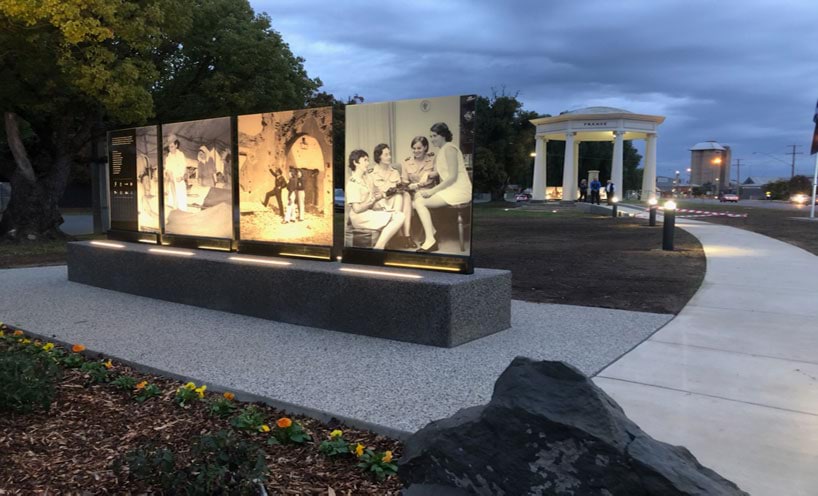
point(362, 202)
point(384, 179)
point(417, 173)
point(454, 188)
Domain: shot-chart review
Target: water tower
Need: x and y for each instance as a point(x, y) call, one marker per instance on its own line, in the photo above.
point(710, 164)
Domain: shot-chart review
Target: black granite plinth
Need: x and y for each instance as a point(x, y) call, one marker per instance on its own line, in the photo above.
point(437, 309)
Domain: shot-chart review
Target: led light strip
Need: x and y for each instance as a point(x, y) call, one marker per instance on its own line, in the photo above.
point(419, 266)
point(149, 241)
point(107, 245)
point(381, 273)
point(258, 260)
point(165, 251)
point(303, 255)
point(216, 248)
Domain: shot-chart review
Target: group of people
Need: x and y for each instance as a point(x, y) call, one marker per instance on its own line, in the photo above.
point(295, 194)
point(379, 197)
point(595, 186)
point(212, 170)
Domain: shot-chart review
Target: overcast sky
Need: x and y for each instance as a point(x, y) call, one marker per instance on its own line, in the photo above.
point(743, 73)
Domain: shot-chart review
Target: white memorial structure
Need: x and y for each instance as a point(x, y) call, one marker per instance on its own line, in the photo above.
point(595, 124)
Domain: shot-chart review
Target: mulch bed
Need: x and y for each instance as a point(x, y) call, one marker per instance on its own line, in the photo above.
point(71, 449)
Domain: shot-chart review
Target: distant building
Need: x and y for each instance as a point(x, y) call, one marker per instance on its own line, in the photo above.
point(752, 188)
point(710, 164)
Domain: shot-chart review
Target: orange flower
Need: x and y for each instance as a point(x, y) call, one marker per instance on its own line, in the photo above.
point(18, 332)
point(284, 422)
point(229, 396)
point(142, 385)
point(359, 450)
point(77, 348)
point(387, 457)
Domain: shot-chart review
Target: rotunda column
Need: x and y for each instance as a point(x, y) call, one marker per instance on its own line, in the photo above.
point(649, 172)
point(538, 188)
point(616, 164)
point(568, 179)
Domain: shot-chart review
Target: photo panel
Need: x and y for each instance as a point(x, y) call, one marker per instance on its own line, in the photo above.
point(147, 175)
point(409, 176)
point(122, 180)
point(285, 177)
point(197, 169)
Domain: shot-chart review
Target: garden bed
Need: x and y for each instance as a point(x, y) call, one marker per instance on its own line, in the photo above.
point(89, 441)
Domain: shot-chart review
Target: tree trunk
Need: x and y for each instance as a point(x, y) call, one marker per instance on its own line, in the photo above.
point(33, 213)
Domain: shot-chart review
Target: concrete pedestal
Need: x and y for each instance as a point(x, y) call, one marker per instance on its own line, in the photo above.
point(438, 309)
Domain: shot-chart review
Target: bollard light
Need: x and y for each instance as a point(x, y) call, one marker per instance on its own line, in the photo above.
point(614, 211)
point(668, 225)
point(652, 211)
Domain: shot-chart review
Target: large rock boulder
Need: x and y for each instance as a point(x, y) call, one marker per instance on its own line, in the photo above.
point(549, 430)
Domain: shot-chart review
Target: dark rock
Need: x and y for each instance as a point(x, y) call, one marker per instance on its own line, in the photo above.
point(549, 430)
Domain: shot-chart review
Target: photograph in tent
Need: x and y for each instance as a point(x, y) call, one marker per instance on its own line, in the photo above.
point(197, 172)
point(147, 177)
point(285, 177)
point(409, 175)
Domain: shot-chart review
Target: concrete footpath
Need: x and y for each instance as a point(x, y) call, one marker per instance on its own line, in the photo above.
point(734, 377)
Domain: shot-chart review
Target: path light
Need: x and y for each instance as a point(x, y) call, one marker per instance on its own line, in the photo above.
point(652, 211)
point(668, 225)
point(614, 210)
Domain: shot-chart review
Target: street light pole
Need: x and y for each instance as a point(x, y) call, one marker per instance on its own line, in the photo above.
point(738, 178)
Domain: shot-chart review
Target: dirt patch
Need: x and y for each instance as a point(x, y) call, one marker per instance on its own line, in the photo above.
point(570, 258)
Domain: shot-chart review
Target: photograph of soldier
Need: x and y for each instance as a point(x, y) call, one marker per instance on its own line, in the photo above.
point(197, 179)
point(285, 177)
point(421, 154)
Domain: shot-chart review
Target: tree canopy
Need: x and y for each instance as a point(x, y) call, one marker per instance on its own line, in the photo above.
point(73, 68)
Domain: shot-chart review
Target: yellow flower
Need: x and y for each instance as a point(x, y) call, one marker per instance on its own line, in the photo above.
point(335, 434)
point(108, 364)
point(229, 396)
point(284, 422)
point(387, 457)
point(48, 346)
point(1, 334)
point(142, 385)
point(201, 390)
point(18, 332)
point(190, 386)
point(264, 428)
point(77, 348)
point(359, 450)
point(25, 341)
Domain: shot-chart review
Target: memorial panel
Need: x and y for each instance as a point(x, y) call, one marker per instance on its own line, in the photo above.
point(198, 178)
point(409, 178)
point(285, 177)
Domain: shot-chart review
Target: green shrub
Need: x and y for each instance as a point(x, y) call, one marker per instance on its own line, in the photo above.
point(221, 463)
point(249, 419)
point(27, 380)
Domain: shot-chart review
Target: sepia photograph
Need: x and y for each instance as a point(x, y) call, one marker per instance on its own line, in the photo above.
point(147, 177)
point(197, 173)
point(285, 177)
point(409, 175)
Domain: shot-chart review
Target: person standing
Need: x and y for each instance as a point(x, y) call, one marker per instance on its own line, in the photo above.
point(583, 190)
point(595, 186)
point(292, 186)
point(176, 174)
point(300, 191)
point(610, 192)
point(278, 187)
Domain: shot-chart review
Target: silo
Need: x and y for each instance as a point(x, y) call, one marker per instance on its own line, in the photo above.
point(710, 164)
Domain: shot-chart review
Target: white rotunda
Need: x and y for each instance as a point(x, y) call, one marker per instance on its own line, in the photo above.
point(595, 124)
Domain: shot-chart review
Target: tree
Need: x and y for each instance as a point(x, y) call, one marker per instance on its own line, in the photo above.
point(799, 184)
point(72, 67)
point(64, 68)
point(503, 128)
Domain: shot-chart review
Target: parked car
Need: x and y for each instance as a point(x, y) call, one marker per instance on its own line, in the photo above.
point(338, 201)
point(728, 197)
point(523, 197)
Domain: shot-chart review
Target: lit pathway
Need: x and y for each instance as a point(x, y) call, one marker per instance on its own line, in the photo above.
point(734, 377)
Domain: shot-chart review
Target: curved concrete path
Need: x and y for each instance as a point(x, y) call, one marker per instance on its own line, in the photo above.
point(734, 377)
